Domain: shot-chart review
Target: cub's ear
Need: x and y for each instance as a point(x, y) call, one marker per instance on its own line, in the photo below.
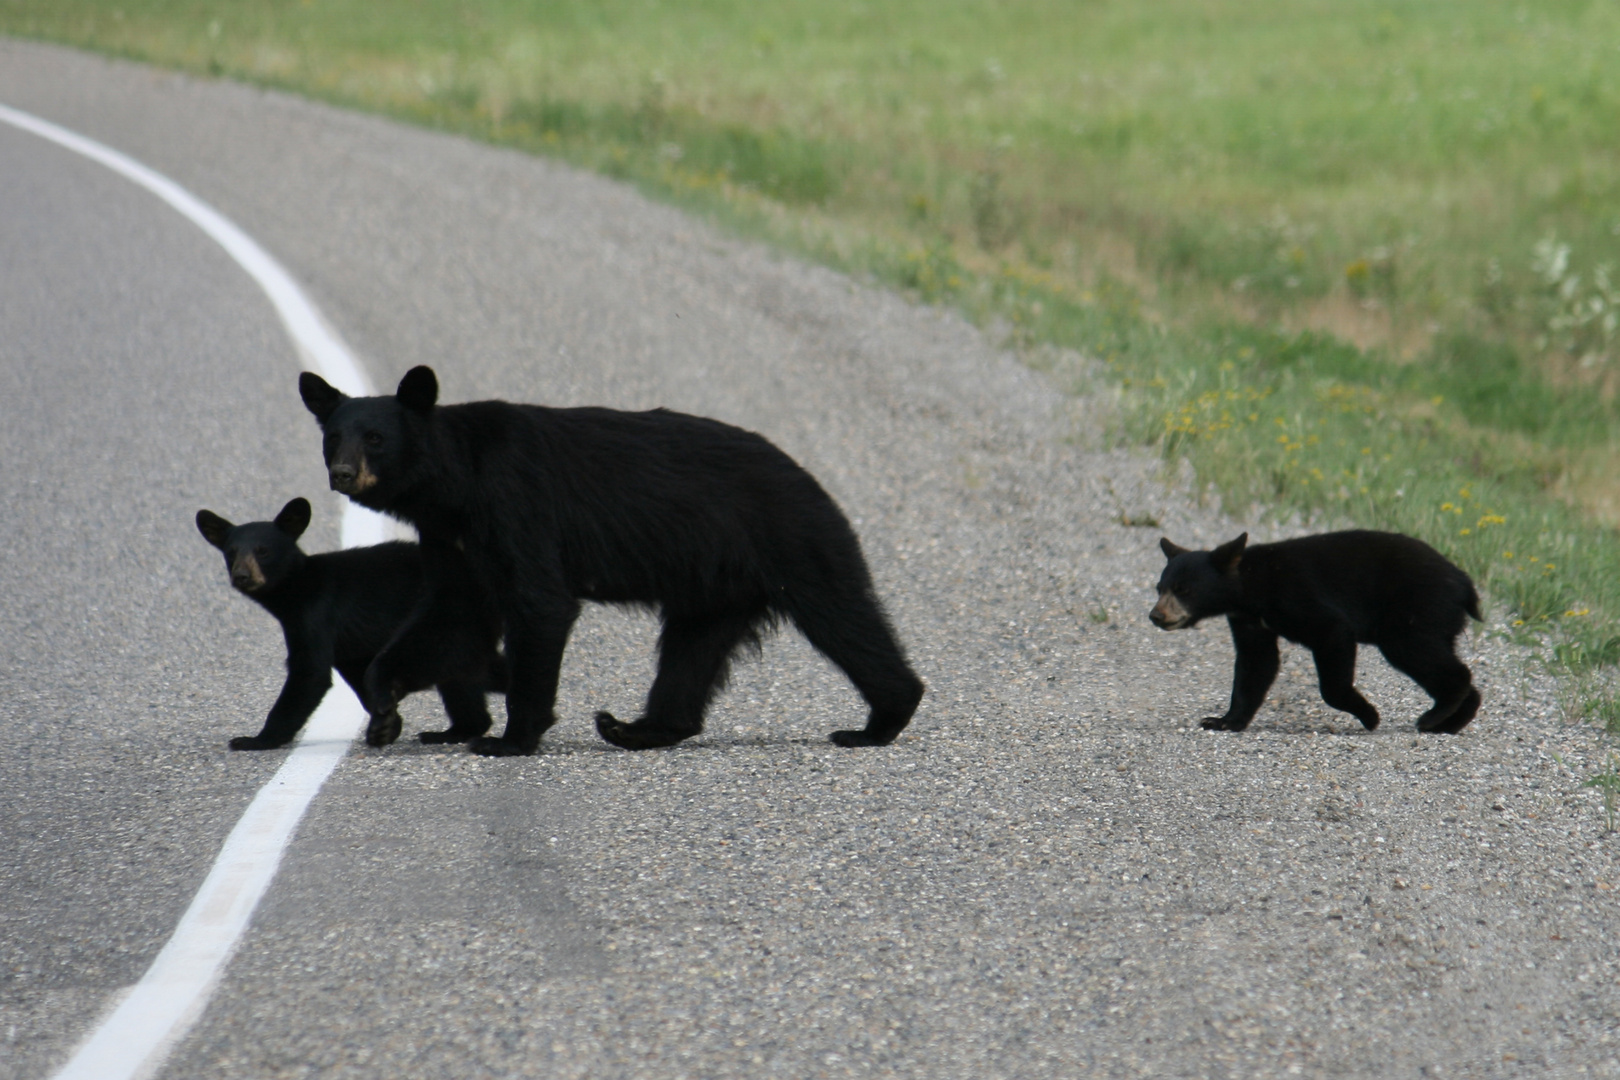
point(294, 518)
point(213, 527)
point(1229, 555)
point(418, 390)
point(320, 397)
point(1170, 548)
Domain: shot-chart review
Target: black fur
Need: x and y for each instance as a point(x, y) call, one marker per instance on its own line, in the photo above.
point(339, 609)
point(1329, 593)
point(715, 527)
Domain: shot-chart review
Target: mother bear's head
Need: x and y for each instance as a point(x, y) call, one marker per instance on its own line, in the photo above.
point(372, 444)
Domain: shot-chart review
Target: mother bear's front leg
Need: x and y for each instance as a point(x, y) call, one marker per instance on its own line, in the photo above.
point(536, 635)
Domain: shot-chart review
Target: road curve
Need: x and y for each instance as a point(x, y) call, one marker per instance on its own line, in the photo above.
point(1053, 873)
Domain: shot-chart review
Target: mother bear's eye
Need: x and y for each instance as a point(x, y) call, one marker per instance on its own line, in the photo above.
point(373, 438)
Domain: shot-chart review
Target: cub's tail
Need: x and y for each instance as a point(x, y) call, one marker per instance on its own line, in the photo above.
point(1471, 600)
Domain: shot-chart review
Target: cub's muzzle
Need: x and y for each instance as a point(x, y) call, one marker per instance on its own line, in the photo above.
point(246, 575)
point(1168, 614)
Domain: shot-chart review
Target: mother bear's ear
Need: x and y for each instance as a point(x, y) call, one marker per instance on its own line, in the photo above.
point(418, 390)
point(320, 397)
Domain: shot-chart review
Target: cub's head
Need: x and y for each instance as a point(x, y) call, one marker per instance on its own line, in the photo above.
point(1197, 584)
point(261, 554)
point(371, 443)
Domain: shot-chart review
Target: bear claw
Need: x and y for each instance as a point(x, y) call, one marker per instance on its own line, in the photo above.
point(861, 738)
point(1454, 721)
point(383, 728)
point(484, 746)
point(637, 736)
point(257, 742)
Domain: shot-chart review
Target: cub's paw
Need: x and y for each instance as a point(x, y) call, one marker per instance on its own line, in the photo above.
point(637, 736)
point(862, 738)
point(1454, 721)
point(1222, 723)
point(257, 742)
point(383, 728)
point(485, 746)
point(449, 735)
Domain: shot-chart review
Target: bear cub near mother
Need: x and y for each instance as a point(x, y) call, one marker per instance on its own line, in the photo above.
point(544, 507)
point(1329, 593)
point(339, 608)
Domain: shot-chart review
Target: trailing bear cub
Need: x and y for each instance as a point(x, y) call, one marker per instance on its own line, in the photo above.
point(1328, 593)
point(717, 528)
point(339, 609)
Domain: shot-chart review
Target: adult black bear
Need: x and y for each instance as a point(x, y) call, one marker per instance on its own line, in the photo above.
point(1328, 593)
point(340, 608)
point(717, 528)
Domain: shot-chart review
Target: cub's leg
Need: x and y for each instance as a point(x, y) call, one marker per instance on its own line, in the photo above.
point(309, 676)
point(428, 650)
point(694, 658)
point(402, 667)
point(469, 714)
point(355, 676)
point(1433, 665)
point(378, 726)
point(1460, 718)
point(848, 627)
point(1252, 675)
point(1336, 676)
point(300, 694)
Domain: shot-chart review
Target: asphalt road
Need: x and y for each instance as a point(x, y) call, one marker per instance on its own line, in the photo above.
point(1054, 873)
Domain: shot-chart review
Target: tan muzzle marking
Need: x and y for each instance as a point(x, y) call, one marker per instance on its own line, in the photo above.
point(247, 566)
point(1169, 613)
point(366, 478)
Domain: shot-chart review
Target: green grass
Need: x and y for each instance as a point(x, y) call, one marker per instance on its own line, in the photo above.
point(1345, 257)
point(1369, 168)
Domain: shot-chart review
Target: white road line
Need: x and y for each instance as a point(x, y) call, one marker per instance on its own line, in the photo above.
point(136, 1036)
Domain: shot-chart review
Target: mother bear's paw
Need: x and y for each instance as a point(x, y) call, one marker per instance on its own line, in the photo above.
point(862, 738)
point(638, 736)
point(485, 746)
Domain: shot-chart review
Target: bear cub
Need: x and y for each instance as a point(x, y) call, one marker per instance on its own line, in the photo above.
point(339, 609)
point(712, 526)
point(1330, 593)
